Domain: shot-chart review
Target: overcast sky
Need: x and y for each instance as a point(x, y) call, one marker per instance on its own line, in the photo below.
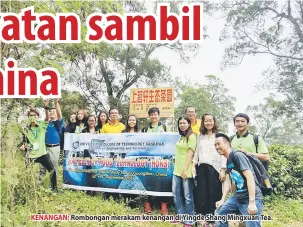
point(240, 80)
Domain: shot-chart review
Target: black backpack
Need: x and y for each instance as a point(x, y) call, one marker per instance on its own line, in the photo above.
point(256, 141)
point(61, 134)
point(262, 177)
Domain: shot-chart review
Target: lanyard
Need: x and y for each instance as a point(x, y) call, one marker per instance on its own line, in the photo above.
point(35, 134)
point(156, 129)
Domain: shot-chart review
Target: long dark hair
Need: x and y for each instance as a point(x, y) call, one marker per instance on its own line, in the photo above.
point(203, 130)
point(136, 128)
point(99, 125)
point(84, 117)
point(86, 129)
point(189, 131)
point(71, 126)
point(68, 120)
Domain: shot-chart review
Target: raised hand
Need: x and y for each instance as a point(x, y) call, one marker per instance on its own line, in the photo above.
point(46, 102)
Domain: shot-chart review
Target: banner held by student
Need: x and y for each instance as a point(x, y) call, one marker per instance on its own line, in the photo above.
point(120, 163)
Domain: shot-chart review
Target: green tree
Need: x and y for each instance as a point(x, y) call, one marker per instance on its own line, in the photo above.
point(104, 80)
point(71, 102)
point(104, 77)
point(210, 98)
point(274, 28)
point(273, 123)
point(266, 115)
point(49, 55)
point(222, 103)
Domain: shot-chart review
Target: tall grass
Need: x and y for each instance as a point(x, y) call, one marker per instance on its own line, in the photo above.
point(18, 183)
point(22, 194)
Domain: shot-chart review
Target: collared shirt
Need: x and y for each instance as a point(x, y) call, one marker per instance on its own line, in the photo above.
point(150, 128)
point(206, 153)
point(196, 127)
point(247, 142)
point(36, 139)
point(108, 128)
point(52, 136)
point(182, 147)
point(158, 128)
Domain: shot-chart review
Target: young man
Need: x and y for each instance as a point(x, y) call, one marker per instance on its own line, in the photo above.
point(248, 199)
point(53, 134)
point(34, 142)
point(244, 140)
point(155, 126)
point(192, 115)
point(114, 126)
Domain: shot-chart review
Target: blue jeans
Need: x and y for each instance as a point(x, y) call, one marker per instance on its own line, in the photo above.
point(185, 194)
point(232, 206)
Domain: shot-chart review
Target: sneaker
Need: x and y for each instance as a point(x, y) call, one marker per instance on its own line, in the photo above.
point(147, 208)
point(164, 210)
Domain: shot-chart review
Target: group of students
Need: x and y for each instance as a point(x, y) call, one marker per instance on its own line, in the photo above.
point(202, 154)
point(212, 159)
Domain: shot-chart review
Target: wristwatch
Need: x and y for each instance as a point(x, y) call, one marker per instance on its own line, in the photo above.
point(46, 107)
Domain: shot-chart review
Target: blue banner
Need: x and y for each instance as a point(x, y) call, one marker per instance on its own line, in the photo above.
point(134, 163)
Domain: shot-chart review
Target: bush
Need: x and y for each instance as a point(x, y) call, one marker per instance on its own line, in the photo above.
point(286, 170)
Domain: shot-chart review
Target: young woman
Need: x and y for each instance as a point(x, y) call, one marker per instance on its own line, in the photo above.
point(209, 168)
point(81, 120)
point(182, 185)
point(131, 127)
point(71, 123)
point(131, 124)
point(90, 126)
point(102, 120)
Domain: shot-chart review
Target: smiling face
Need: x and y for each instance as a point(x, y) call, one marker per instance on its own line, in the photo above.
point(209, 122)
point(53, 114)
point(191, 113)
point(33, 117)
point(183, 125)
point(103, 117)
point(91, 122)
point(72, 118)
point(80, 115)
point(241, 124)
point(154, 117)
point(222, 146)
point(132, 121)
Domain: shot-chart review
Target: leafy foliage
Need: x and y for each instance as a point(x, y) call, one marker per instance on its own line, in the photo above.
point(286, 169)
point(273, 122)
point(274, 28)
point(71, 102)
point(210, 98)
